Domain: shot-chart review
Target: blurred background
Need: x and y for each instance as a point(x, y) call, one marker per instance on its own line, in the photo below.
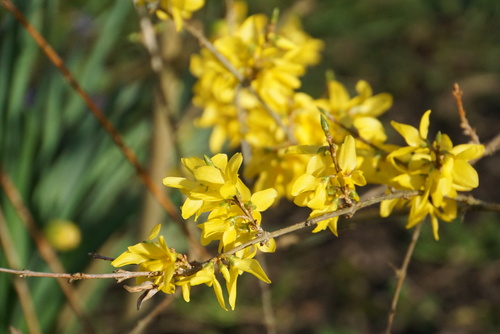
point(86, 197)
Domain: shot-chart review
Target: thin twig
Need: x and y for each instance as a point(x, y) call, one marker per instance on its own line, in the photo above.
point(165, 129)
point(401, 275)
point(313, 221)
point(267, 305)
point(121, 275)
point(46, 251)
point(464, 122)
point(262, 239)
point(150, 316)
point(21, 286)
point(96, 111)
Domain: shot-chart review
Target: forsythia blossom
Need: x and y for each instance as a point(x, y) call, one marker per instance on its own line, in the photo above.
point(271, 59)
point(437, 169)
point(178, 10)
point(329, 183)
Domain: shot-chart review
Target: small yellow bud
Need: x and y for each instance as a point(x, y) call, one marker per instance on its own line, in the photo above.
point(63, 235)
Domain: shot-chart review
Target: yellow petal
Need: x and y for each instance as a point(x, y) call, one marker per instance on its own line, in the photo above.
point(154, 232)
point(376, 105)
point(190, 207)
point(220, 161)
point(264, 199)
point(424, 125)
point(218, 293)
point(347, 154)
point(251, 266)
point(233, 166)
point(464, 175)
point(338, 95)
point(387, 206)
point(435, 227)
point(409, 133)
point(128, 258)
point(468, 151)
point(305, 182)
point(319, 198)
point(332, 225)
point(209, 175)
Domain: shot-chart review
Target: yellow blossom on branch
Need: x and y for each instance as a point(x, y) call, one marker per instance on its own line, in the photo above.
point(178, 10)
point(329, 183)
point(266, 60)
point(437, 169)
point(152, 256)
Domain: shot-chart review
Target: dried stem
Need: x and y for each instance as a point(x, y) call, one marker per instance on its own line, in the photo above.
point(122, 275)
point(96, 111)
point(267, 306)
point(165, 125)
point(464, 122)
point(144, 322)
point(401, 275)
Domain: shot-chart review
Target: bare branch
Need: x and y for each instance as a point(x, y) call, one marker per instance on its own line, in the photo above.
point(464, 122)
point(401, 275)
point(119, 275)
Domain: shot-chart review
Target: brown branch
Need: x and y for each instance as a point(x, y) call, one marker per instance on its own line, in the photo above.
point(119, 275)
point(46, 251)
point(165, 125)
point(267, 306)
point(313, 221)
point(144, 322)
point(464, 122)
point(477, 204)
point(474, 203)
point(401, 275)
point(96, 111)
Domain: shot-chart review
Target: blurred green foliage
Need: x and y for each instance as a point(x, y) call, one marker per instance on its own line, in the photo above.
point(67, 167)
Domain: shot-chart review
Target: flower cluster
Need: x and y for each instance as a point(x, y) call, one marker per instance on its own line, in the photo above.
point(329, 182)
point(437, 169)
point(235, 213)
point(178, 10)
point(268, 60)
point(312, 151)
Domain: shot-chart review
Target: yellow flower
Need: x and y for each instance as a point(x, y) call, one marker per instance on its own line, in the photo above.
point(203, 276)
point(270, 63)
point(178, 10)
point(437, 169)
point(236, 267)
point(358, 112)
point(326, 183)
point(216, 179)
point(152, 256)
point(229, 224)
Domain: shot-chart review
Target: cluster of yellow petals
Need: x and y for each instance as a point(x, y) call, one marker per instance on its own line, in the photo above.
point(437, 169)
point(235, 215)
point(287, 149)
point(327, 183)
point(152, 256)
point(271, 59)
point(178, 10)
